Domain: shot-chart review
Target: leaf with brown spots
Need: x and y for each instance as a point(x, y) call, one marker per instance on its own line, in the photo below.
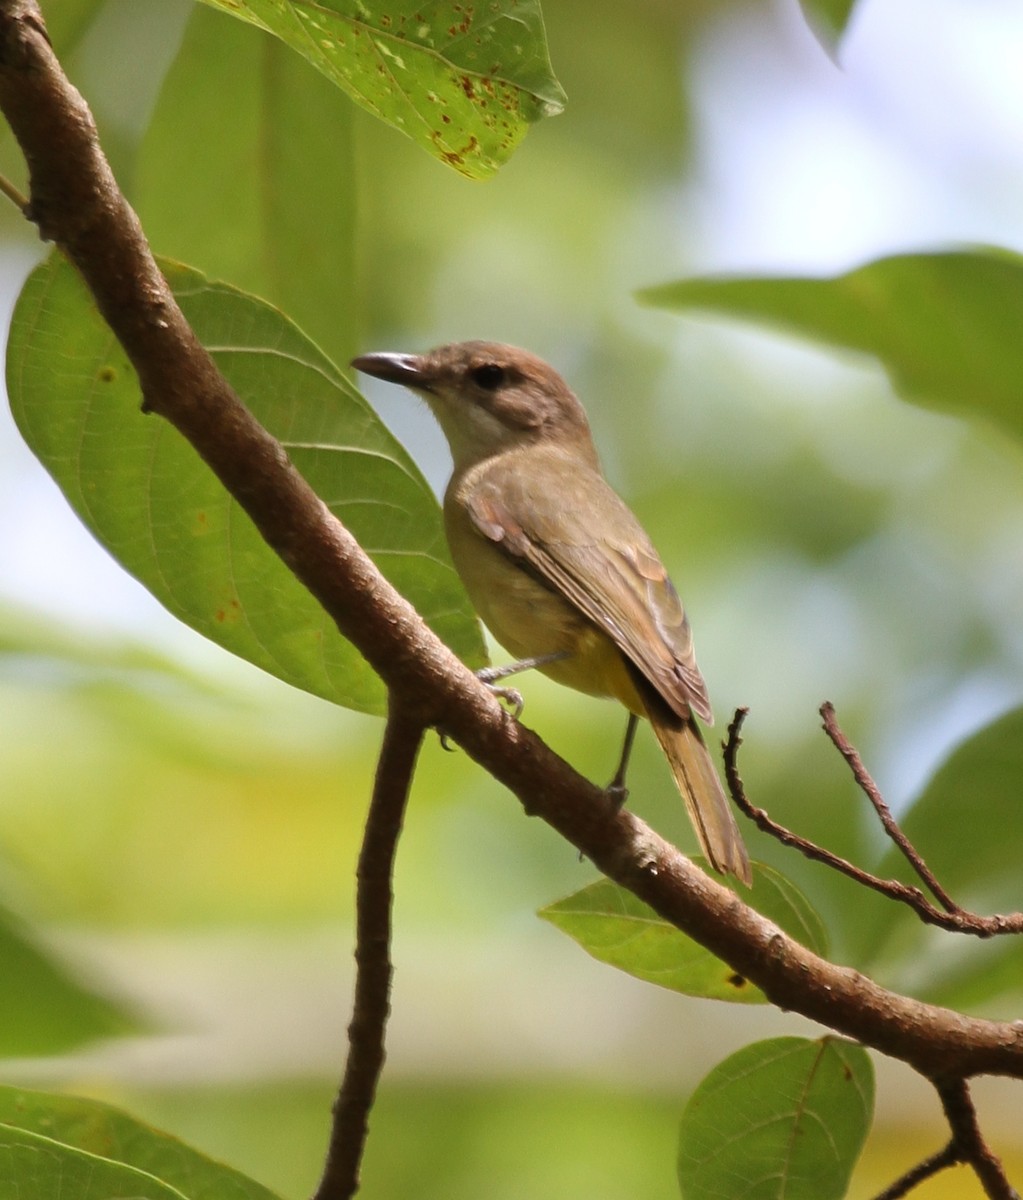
point(464, 80)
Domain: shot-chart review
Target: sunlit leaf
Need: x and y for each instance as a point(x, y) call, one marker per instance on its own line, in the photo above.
point(463, 81)
point(65, 1146)
point(46, 1008)
point(619, 929)
point(142, 490)
point(783, 1119)
point(270, 201)
point(945, 326)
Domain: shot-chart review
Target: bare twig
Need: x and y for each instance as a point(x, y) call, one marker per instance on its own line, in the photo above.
point(954, 919)
point(403, 736)
point(945, 1158)
point(966, 1147)
point(873, 794)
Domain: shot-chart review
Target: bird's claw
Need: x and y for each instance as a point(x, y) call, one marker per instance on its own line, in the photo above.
point(511, 696)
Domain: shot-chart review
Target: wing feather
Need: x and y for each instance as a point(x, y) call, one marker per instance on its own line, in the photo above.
point(612, 575)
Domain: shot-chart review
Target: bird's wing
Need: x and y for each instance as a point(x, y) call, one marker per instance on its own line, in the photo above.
point(613, 575)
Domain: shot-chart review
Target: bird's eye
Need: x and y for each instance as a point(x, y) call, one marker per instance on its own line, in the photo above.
point(489, 376)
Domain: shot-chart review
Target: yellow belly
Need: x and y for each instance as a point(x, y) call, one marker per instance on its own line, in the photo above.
point(530, 620)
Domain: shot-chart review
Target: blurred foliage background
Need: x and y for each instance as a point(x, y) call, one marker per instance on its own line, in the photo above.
point(182, 830)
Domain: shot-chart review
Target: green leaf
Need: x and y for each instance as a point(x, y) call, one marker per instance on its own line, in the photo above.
point(145, 494)
point(944, 326)
point(783, 1119)
point(46, 1009)
point(40, 1169)
point(463, 81)
point(270, 201)
point(966, 826)
point(66, 1146)
point(617, 928)
point(828, 20)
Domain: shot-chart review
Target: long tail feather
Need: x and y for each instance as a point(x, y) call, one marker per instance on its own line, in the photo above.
point(701, 789)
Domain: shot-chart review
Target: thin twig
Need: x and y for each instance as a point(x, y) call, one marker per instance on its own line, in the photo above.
point(945, 1158)
point(403, 736)
point(19, 200)
point(873, 794)
point(969, 1141)
point(956, 921)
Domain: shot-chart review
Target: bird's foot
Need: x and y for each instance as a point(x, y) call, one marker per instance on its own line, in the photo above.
point(511, 696)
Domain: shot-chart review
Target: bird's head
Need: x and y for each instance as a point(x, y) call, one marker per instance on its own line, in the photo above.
point(488, 397)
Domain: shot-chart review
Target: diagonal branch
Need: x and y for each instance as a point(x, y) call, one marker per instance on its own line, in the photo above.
point(76, 203)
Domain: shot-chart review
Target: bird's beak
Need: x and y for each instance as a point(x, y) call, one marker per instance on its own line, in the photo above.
point(406, 369)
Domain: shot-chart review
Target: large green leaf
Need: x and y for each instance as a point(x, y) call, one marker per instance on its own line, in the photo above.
point(784, 1119)
point(64, 1146)
point(945, 326)
point(270, 198)
point(619, 929)
point(464, 81)
point(142, 490)
point(46, 1009)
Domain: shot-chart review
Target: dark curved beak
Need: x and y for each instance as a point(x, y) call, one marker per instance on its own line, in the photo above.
point(406, 369)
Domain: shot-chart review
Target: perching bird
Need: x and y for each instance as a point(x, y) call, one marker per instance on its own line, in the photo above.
point(559, 569)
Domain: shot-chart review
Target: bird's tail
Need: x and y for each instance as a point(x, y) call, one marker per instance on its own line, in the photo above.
point(701, 789)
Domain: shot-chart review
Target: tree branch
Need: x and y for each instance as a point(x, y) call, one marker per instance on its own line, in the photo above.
point(966, 1147)
point(76, 203)
point(403, 735)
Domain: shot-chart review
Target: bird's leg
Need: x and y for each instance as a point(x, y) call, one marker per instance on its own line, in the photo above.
point(616, 790)
point(490, 676)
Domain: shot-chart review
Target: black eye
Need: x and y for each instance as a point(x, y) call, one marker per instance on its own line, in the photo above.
point(489, 376)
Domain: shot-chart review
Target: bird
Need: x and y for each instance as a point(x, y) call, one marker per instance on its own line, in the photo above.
point(558, 567)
